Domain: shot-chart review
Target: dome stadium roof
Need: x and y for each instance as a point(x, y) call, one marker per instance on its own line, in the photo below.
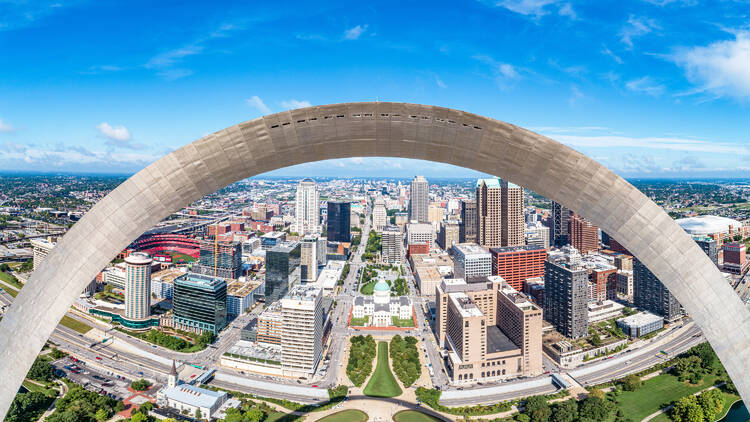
point(707, 224)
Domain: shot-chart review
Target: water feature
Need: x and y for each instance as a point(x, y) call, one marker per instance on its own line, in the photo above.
point(738, 413)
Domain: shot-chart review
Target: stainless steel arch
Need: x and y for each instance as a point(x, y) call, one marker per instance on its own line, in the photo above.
point(373, 129)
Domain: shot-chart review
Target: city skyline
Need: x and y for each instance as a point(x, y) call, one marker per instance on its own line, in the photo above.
point(631, 86)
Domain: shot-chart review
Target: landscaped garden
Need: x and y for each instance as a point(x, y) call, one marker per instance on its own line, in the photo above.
point(405, 359)
point(359, 322)
point(382, 383)
point(413, 416)
point(361, 354)
point(173, 342)
point(75, 325)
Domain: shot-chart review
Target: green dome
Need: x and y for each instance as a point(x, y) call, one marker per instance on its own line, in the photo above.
point(382, 286)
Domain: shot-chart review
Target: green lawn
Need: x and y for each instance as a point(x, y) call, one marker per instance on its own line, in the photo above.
point(11, 292)
point(74, 324)
point(368, 288)
point(359, 322)
point(176, 257)
point(35, 387)
point(10, 280)
point(408, 322)
point(350, 415)
point(658, 391)
point(382, 383)
point(413, 416)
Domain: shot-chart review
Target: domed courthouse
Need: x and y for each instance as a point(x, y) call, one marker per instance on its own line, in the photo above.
point(381, 307)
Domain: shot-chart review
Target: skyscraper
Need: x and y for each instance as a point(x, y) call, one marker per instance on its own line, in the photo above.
point(282, 270)
point(306, 208)
point(652, 295)
point(517, 263)
point(566, 293)
point(301, 331)
point(339, 221)
point(560, 226)
point(379, 215)
point(709, 247)
point(420, 200)
point(138, 286)
point(219, 259)
point(391, 244)
point(583, 235)
point(468, 227)
point(499, 213)
point(309, 258)
point(199, 303)
point(449, 234)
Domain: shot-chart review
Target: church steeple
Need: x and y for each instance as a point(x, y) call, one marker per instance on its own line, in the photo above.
point(172, 380)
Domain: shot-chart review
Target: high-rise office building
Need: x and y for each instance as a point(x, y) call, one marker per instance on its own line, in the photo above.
point(302, 331)
point(391, 244)
point(449, 234)
point(379, 215)
point(219, 259)
point(339, 221)
point(566, 293)
point(282, 270)
point(420, 233)
point(138, 286)
point(735, 258)
point(499, 213)
point(199, 303)
point(471, 261)
point(512, 222)
point(517, 263)
point(583, 235)
point(709, 247)
point(420, 200)
point(560, 225)
point(306, 208)
point(537, 234)
point(309, 258)
point(521, 321)
point(652, 295)
point(468, 228)
point(41, 248)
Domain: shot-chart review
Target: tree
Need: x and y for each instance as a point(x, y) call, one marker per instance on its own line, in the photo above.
point(687, 409)
point(101, 415)
point(689, 368)
point(41, 371)
point(596, 393)
point(198, 414)
point(522, 417)
point(139, 417)
point(706, 354)
point(595, 408)
point(596, 340)
point(712, 403)
point(537, 408)
point(140, 385)
point(566, 411)
point(631, 383)
point(147, 406)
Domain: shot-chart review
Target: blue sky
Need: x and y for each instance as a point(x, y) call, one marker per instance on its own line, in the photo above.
point(650, 88)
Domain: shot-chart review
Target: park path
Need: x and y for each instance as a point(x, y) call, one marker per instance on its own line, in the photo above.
point(51, 408)
point(668, 408)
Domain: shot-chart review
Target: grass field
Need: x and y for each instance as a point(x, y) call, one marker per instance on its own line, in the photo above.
point(11, 292)
point(658, 391)
point(368, 288)
point(350, 415)
point(10, 280)
point(176, 257)
point(359, 322)
point(408, 322)
point(382, 383)
point(34, 387)
point(413, 416)
point(74, 324)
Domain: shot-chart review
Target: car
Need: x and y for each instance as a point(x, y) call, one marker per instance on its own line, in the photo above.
point(98, 358)
point(154, 346)
point(315, 385)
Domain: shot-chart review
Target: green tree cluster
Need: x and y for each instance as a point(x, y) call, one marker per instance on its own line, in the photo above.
point(631, 382)
point(689, 368)
point(361, 354)
point(405, 359)
point(84, 405)
point(140, 385)
point(41, 370)
point(27, 407)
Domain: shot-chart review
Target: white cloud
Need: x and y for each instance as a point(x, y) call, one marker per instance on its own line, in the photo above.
point(114, 133)
point(292, 104)
point(721, 68)
point(645, 85)
point(169, 58)
point(355, 33)
point(656, 143)
point(527, 7)
point(575, 95)
point(567, 10)
point(440, 82)
point(257, 103)
point(607, 52)
point(636, 27)
point(6, 127)
point(505, 73)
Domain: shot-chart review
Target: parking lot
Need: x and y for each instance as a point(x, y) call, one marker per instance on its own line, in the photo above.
point(91, 379)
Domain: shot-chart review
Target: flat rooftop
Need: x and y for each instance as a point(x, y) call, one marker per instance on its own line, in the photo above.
point(497, 341)
point(238, 288)
point(465, 306)
point(470, 249)
point(519, 248)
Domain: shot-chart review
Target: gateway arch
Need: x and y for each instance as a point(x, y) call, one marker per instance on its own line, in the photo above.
point(374, 129)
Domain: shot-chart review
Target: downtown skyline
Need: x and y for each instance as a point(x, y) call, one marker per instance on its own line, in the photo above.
point(649, 89)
